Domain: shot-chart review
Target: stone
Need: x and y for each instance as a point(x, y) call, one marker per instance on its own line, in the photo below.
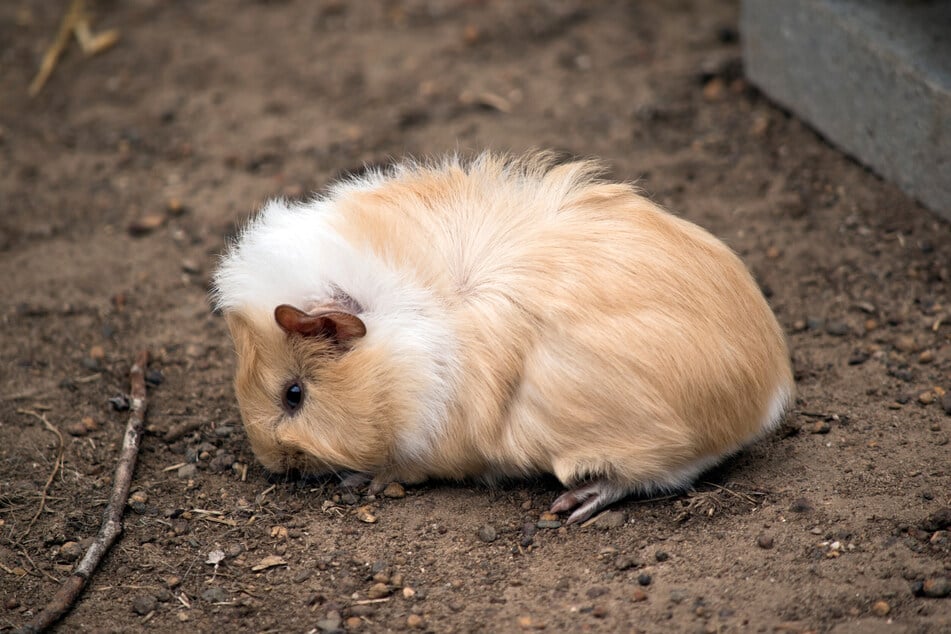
point(889, 57)
point(487, 533)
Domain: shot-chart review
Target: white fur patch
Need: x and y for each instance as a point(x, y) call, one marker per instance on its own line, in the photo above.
point(777, 408)
point(290, 254)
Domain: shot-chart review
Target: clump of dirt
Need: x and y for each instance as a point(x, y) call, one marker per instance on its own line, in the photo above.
point(122, 180)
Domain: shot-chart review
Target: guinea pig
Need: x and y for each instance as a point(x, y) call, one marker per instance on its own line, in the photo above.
point(497, 317)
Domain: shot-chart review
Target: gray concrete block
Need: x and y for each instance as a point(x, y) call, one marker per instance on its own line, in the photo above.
point(872, 76)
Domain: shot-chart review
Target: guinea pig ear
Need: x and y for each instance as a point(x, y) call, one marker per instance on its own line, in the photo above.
point(338, 325)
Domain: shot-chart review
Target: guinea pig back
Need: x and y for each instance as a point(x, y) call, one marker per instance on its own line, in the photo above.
point(495, 318)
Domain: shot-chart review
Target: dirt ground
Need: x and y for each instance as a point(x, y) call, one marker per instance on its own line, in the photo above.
point(121, 181)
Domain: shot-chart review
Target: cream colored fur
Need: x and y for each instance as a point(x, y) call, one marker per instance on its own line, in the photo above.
point(521, 316)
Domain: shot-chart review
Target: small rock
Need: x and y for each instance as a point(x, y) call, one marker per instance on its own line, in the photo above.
point(187, 471)
point(97, 353)
point(154, 377)
point(76, 429)
point(858, 357)
point(139, 496)
point(764, 541)
point(610, 519)
point(661, 556)
point(365, 515)
point(394, 490)
point(644, 579)
point(191, 266)
point(819, 427)
point(487, 534)
point(946, 402)
point(11, 603)
point(939, 520)
point(528, 534)
point(881, 608)
point(927, 356)
point(119, 403)
point(838, 328)
point(596, 591)
point(144, 604)
point(599, 612)
point(638, 596)
point(926, 397)
point(163, 595)
point(548, 524)
point(408, 592)
point(624, 562)
point(870, 325)
point(146, 224)
point(93, 365)
point(353, 622)
point(548, 516)
point(174, 207)
point(379, 590)
point(801, 505)
point(677, 595)
point(414, 621)
point(934, 588)
point(906, 343)
point(328, 625)
point(70, 551)
point(90, 423)
point(173, 581)
point(713, 89)
point(215, 595)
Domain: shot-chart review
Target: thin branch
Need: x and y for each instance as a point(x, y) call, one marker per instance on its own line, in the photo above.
point(111, 527)
point(57, 466)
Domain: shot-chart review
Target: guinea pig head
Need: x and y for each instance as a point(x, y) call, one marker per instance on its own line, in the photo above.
point(312, 396)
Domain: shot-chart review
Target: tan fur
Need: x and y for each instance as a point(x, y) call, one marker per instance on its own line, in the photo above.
point(596, 336)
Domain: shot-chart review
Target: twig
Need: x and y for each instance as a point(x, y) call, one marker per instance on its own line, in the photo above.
point(75, 22)
point(57, 465)
point(111, 527)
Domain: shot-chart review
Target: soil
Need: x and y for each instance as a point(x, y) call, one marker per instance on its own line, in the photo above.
point(121, 181)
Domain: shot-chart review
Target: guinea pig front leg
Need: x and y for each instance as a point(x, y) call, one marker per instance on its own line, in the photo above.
point(588, 499)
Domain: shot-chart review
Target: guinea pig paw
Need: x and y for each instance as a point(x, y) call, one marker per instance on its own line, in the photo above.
point(588, 499)
point(354, 480)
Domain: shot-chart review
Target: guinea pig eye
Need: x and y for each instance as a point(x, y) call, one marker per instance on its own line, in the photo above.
point(293, 397)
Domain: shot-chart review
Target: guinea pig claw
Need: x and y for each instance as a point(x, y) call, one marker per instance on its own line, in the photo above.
point(587, 499)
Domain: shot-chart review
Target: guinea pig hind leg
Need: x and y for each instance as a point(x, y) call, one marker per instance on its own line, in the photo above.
point(588, 499)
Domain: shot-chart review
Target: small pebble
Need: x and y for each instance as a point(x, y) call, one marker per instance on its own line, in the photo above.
point(353, 622)
point(90, 423)
point(661, 556)
point(905, 343)
point(146, 224)
point(394, 490)
point(11, 603)
point(644, 579)
point(610, 519)
point(365, 515)
point(191, 266)
point(926, 398)
point(328, 624)
point(70, 551)
point(187, 471)
point(408, 593)
point(638, 596)
point(139, 496)
point(215, 595)
point(858, 357)
point(144, 604)
point(870, 325)
point(599, 612)
point(379, 590)
point(934, 588)
point(624, 562)
point(548, 517)
point(677, 595)
point(838, 328)
point(764, 541)
point(414, 621)
point(173, 581)
point(881, 608)
point(119, 403)
point(97, 353)
point(548, 524)
point(487, 533)
point(154, 377)
point(174, 207)
point(927, 356)
point(819, 427)
point(76, 429)
point(801, 505)
point(946, 402)
point(596, 591)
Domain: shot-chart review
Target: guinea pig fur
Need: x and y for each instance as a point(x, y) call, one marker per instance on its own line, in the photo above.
point(498, 317)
